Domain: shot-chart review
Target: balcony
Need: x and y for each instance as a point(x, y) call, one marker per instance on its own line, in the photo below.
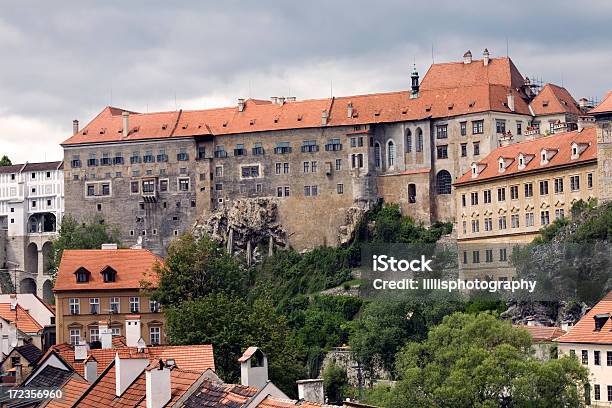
point(310, 148)
point(282, 150)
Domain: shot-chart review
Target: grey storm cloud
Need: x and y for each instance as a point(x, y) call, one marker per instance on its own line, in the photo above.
point(69, 59)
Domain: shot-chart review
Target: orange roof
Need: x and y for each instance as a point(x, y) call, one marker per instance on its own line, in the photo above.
point(554, 99)
point(274, 402)
point(542, 333)
point(561, 142)
point(72, 390)
point(447, 90)
point(605, 106)
point(132, 267)
point(584, 331)
point(21, 317)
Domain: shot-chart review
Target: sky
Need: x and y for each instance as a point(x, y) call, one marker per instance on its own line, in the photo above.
point(68, 60)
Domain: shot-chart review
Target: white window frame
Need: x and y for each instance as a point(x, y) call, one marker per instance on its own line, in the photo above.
point(134, 300)
point(74, 335)
point(115, 301)
point(155, 331)
point(74, 305)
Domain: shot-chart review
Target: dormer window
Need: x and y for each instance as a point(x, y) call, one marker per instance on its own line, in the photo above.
point(546, 155)
point(600, 320)
point(504, 163)
point(521, 162)
point(477, 168)
point(82, 275)
point(524, 159)
point(109, 274)
point(577, 149)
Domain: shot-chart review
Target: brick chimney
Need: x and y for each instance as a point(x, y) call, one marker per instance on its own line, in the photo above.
point(158, 385)
point(349, 110)
point(126, 371)
point(324, 117)
point(91, 369)
point(126, 122)
point(467, 57)
point(106, 335)
point(75, 127)
point(511, 105)
point(240, 104)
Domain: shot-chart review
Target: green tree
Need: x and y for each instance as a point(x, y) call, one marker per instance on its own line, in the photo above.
point(480, 361)
point(5, 161)
point(88, 235)
point(195, 268)
point(335, 383)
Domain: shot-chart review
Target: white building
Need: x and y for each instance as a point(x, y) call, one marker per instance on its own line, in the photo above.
point(590, 340)
point(31, 208)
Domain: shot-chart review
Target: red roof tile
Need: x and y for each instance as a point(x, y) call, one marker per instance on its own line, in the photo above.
point(584, 331)
point(561, 142)
point(542, 334)
point(132, 266)
point(605, 106)
point(21, 317)
point(554, 99)
point(72, 390)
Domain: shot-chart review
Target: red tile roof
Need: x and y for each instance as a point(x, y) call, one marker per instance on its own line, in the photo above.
point(447, 90)
point(584, 331)
point(561, 141)
point(605, 106)
point(21, 317)
point(72, 390)
point(214, 394)
point(543, 334)
point(554, 99)
point(274, 402)
point(132, 266)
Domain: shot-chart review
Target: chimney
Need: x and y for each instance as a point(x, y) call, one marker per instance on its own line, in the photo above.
point(132, 330)
point(274, 99)
point(311, 390)
point(281, 100)
point(13, 301)
point(240, 105)
point(12, 335)
point(75, 127)
point(583, 103)
point(106, 335)
point(80, 351)
point(324, 117)
point(511, 101)
point(126, 120)
point(253, 368)
point(126, 371)
point(108, 246)
point(467, 57)
point(349, 110)
point(485, 57)
point(158, 385)
point(91, 369)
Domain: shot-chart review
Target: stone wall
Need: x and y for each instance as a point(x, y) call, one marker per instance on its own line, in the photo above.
point(604, 157)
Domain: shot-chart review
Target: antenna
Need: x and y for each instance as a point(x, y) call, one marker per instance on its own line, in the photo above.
point(507, 48)
point(432, 54)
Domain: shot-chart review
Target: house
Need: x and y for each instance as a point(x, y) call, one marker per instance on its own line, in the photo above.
point(40, 311)
point(106, 284)
point(18, 327)
point(19, 363)
point(543, 340)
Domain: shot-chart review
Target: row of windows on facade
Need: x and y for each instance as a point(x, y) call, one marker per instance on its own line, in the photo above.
point(558, 184)
point(442, 150)
point(503, 256)
point(309, 191)
point(135, 173)
point(477, 128)
point(137, 187)
point(94, 335)
point(114, 305)
point(596, 361)
point(514, 221)
point(13, 176)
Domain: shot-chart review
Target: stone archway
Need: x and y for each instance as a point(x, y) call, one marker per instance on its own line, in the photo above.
point(27, 285)
point(47, 255)
point(47, 292)
point(31, 258)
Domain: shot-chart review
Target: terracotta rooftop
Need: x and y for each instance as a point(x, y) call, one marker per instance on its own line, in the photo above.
point(213, 394)
point(585, 332)
point(543, 334)
point(30, 352)
point(605, 106)
point(561, 142)
point(554, 99)
point(72, 390)
point(24, 321)
point(447, 90)
point(132, 267)
point(17, 168)
point(273, 402)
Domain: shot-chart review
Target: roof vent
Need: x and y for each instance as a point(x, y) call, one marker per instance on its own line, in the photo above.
point(472, 104)
point(164, 126)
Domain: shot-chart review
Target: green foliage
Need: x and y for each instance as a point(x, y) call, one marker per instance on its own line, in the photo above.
point(335, 383)
point(5, 161)
point(89, 235)
point(479, 361)
point(196, 267)
point(391, 226)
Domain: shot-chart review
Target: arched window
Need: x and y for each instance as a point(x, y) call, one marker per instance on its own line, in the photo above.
point(377, 155)
point(412, 193)
point(408, 141)
point(390, 153)
point(419, 140)
point(443, 182)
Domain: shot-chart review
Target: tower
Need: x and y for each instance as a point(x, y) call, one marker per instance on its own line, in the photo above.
point(414, 76)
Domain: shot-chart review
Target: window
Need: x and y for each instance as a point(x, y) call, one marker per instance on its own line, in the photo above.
point(115, 305)
point(75, 336)
point(390, 153)
point(155, 334)
point(82, 276)
point(412, 193)
point(488, 224)
point(333, 145)
point(148, 186)
point(514, 220)
point(408, 141)
point(377, 155)
point(307, 191)
point(597, 357)
point(544, 218)
point(529, 219)
point(476, 148)
point(115, 331)
point(340, 188)
point(609, 358)
point(94, 334)
point(474, 198)
point(544, 187)
point(519, 128)
point(183, 184)
point(488, 255)
point(528, 191)
point(477, 127)
point(250, 171)
point(463, 128)
point(503, 255)
point(463, 200)
point(219, 152)
point(306, 167)
point(91, 190)
point(134, 304)
point(419, 140)
point(443, 182)
point(585, 357)
point(75, 306)
point(258, 188)
point(218, 171)
point(442, 132)
point(94, 305)
point(514, 192)
point(148, 157)
point(219, 187)
point(338, 164)
point(475, 226)
point(465, 257)
point(500, 126)
point(589, 180)
point(163, 185)
point(487, 196)
point(501, 194)
point(240, 150)
point(558, 185)
point(182, 154)
point(609, 392)
point(597, 391)
point(442, 152)
point(502, 222)
point(559, 213)
point(282, 191)
point(134, 188)
point(282, 148)
point(153, 306)
point(463, 149)
point(313, 167)
point(476, 256)
point(574, 183)
point(356, 141)
point(572, 353)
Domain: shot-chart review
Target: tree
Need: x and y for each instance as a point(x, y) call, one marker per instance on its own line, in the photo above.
point(335, 383)
point(480, 361)
point(195, 268)
point(89, 235)
point(5, 161)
